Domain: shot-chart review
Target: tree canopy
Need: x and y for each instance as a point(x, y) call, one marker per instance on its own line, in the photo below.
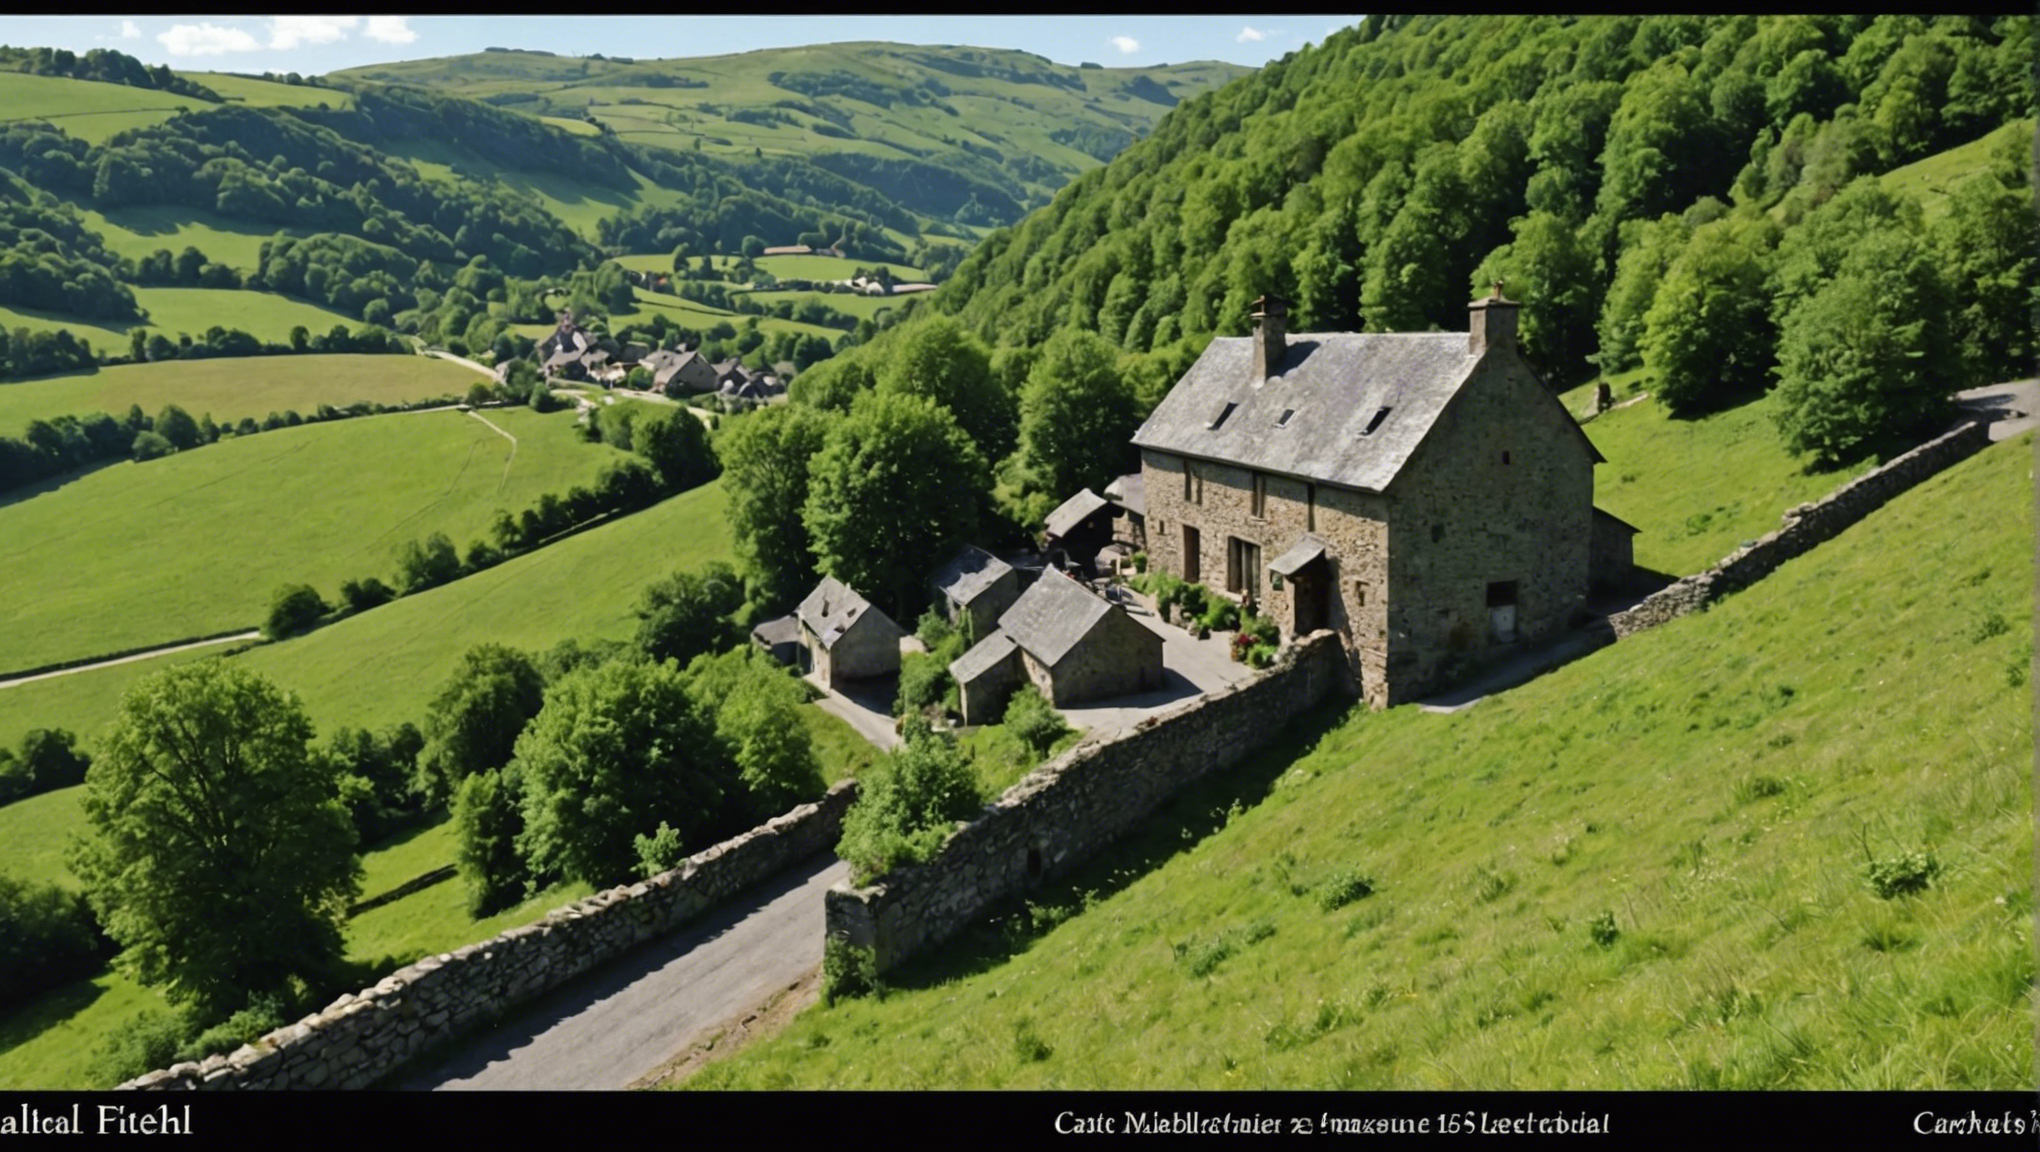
point(218, 853)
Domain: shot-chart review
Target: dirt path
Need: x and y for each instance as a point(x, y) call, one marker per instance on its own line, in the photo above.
point(439, 355)
point(505, 481)
point(251, 634)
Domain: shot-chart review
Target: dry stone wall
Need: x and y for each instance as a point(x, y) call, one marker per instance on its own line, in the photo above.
point(1074, 805)
point(1805, 527)
point(361, 1038)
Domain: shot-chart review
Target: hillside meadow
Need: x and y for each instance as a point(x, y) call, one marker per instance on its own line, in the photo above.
point(231, 389)
point(91, 111)
point(139, 231)
point(267, 316)
point(143, 553)
point(1656, 868)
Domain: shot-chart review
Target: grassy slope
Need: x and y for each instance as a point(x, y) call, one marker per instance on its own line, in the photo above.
point(1697, 489)
point(231, 389)
point(268, 93)
point(89, 110)
point(1933, 179)
point(1709, 786)
point(267, 316)
point(147, 553)
point(138, 233)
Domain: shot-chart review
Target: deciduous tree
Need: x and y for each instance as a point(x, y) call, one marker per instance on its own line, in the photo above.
point(218, 853)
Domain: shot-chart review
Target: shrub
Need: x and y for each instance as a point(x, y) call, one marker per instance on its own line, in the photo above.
point(933, 628)
point(907, 805)
point(848, 971)
point(1905, 874)
point(1030, 719)
point(1140, 561)
point(1344, 887)
point(293, 609)
point(263, 1015)
point(149, 446)
point(1220, 615)
point(47, 937)
point(924, 681)
point(150, 1042)
point(361, 595)
point(1602, 930)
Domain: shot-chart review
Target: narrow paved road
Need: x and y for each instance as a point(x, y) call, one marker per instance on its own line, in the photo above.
point(251, 634)
point(625, 1021)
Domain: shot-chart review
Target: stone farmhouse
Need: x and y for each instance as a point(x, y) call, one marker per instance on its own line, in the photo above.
point(1425, 495)
point(845, 637)
point(1069, 642)
point(974, 589)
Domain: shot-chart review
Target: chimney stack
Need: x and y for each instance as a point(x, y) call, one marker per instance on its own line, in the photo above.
point(1492, 323)
point(1270, 335)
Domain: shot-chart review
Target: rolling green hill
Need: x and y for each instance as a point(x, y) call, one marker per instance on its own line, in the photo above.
point(929, 126)
point(233, 388)
point(1646, 870)
point(193, 544)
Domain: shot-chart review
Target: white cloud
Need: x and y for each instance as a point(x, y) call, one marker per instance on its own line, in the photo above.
point(1250, 34)
point(1126, 44)
point(206, 39)
point(128, 30)
point(390, 30)
point(290, 31)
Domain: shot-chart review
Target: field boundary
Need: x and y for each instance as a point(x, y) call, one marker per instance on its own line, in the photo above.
point(1805, 527)
point(364, 1036)
point(10, 679)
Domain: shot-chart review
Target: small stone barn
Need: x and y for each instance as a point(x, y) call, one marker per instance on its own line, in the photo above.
point(845, 636)
point(1075, 532)
point(975, 588)
point(1069, 642)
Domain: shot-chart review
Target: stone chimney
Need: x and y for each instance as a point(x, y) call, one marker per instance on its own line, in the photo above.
point(1491, 323)
point(1271, 337)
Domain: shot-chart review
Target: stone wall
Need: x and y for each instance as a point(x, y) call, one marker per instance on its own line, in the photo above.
point(361, 1038)
point(1069, 808)
point(1804, 527)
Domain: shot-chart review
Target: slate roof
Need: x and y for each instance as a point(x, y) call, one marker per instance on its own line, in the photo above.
point(1052, 616)
point(1073, 512)
point(983, 656)
point(780, 630)
point(1129, 492)
point(1302, 552)
point(969, 573)
point(833, 607)
point(1334, 386)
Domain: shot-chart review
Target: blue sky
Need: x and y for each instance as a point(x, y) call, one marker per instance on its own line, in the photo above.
point(319, 44)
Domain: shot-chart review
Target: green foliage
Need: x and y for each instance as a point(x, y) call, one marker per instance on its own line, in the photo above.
point(1904, 874)
point(1030, 718)
point(293, 609)
point(206, 774)
point(1707, 337)
point(427, 565)
point(263, 1014)
point(1343, 887)
point(1201, 956)
point(939, 361)
point(848, 971)
point(369, 592)
point(149, 1043)
point(1864, 364)
point(756, 706)
point(896, 481)
point(1220, 615)
point(687, 614)
point(47, 938)
point(617, 750)
point(48, 760)
point(1077, 416)
point(489, 816)
point(906, 807)
point(1602, 930)
point(765, 470)
point(473, 720)
point(376, 772)
point(924, 682)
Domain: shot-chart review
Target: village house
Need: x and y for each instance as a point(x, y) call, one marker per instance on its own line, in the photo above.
point(845, 637)
point(1425, 495)
point(679, 371)
point(1129, 526)
point(974, 589)
point(1073, 534)
point(1072, 644)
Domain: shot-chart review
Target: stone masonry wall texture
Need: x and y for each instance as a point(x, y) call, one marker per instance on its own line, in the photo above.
point(1067, 809)
point(1804, 527)
point(360, 1038)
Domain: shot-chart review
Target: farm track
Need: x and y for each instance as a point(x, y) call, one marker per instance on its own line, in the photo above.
point(251, 634)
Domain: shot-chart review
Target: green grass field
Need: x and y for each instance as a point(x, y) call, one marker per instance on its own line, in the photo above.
point(1933, 179)
point(192, 311)
point(230, 389)
point(832, 268)
point(136, 554)
point(268, 93)
point(89, 110)
point(1697, 489)
point(138, 233)
point(1646, 870)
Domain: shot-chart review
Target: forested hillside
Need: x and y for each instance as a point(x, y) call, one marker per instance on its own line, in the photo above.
point(1620, 174)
